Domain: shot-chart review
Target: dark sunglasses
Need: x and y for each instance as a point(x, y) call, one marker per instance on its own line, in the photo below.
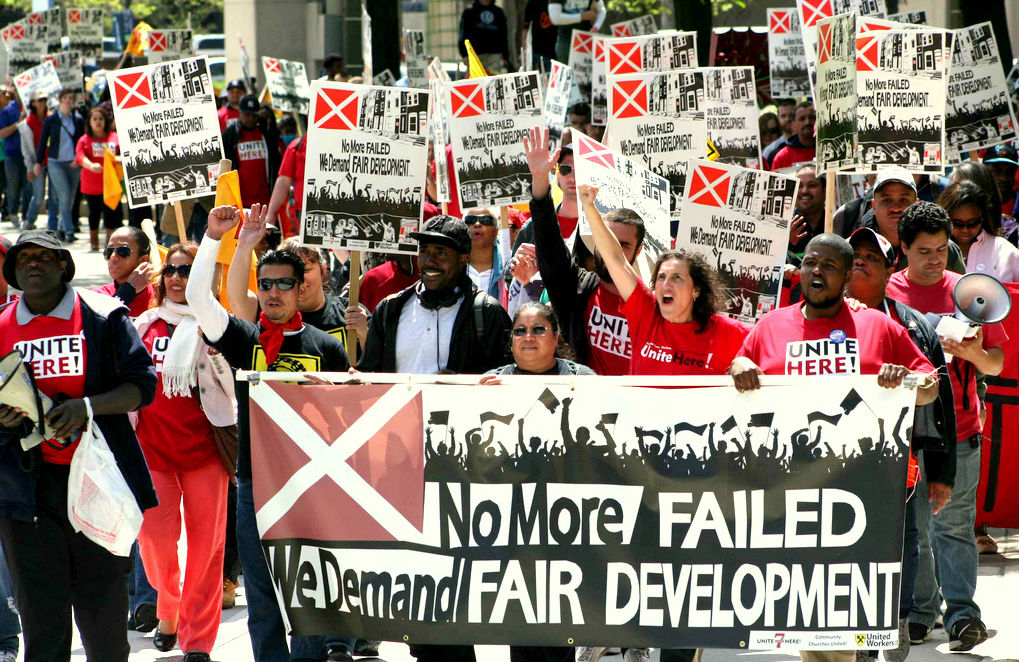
point(565, 170)
point(967, 226)
point(486, 219)
point(184, 270)
point(536, 330)
point(283, 284)
point(122, 252)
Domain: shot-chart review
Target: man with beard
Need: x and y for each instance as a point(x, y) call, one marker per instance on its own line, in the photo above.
point(809, 219)
point(588, 304)
point(800, 146)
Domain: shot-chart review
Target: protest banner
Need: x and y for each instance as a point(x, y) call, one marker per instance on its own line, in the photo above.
point(26, 45)
point(416, 58)
point(738, 219)
point(660, 52)
point(53, 21)
point(786, 61)
point(979, 112)
point(730, 105)
point(366, 43)
point(438, 121)
point(918, 17)
point(489, 118)
point(623, 183)
point(384, 79)
point(585, 512)
point(40, 79)
point(169, 132)
point(557, 98)
point(836, 102)
point(288, 84)
point(85, 32)
point(69, 71)
point(900, 83)
point(635, 27)
point(599, 82)
point(166, 45)
point(581, 63)
point(367, 148)
point(249, 80)
point(812, 11)
point(657, 118)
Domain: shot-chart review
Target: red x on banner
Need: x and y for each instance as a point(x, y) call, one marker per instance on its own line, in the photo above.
point(779, 23)
point(35, 19)
point(595, 153)
point(467, 100)
point(272, 66)
point(812, 11)
point(50, 58)
point(824, 42)
point(23, 80)
point(866, 52)
point(709, 186)
point(621, 31)
point(336, 109)
point(581, 42)
point(599, 50)
point(624, 57)
point(157, 41)
point(555, 76)
point(132, 90)
point(74, 16)
point(17, 32)
point(629, 98)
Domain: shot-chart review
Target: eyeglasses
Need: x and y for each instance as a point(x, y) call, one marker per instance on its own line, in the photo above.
point(123, 252)
point(184, 270)
point(282, 284)
point(486, 219)
point(537, 330)
point(565, 170)
point(971, 225)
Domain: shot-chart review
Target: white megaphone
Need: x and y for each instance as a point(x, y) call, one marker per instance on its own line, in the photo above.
point(17, 389)
point(979, 299)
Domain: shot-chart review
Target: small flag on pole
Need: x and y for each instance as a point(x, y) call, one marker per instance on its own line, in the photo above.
point(112, 174)
point(474, 66)
point(139, 41)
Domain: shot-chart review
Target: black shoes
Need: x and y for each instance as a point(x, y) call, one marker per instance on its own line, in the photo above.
point(164, 642)
point(144, 618)
point(966, 633)
point(918, 633)
point(197, 656)
point(338, 654)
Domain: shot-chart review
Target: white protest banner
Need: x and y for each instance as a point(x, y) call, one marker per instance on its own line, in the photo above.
point(658, 52)
point(415, 58)
point(488, 120)
point(85, 32)
point(812, 11)
point(599, 83)
point(836, 100)
point(657, 118)
point(786, 62)
point(40, 79)
point(25, 43)
point(979, 113)
point(623, 183)
point(384, 79)
point(166, 45)
point(918, 17)
point(245, 64)
point(738, 219)
point(68, 67)
point(730, 104)
point(367, 148)
point(53, 20)
point(438, 121)
point(635, 27)
point(581, 63)
point(366, 42)
point(168, 129)
point(288, 84)
point(900, 83)
point(557, 98)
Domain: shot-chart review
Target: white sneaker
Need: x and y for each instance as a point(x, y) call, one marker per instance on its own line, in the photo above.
point(637, 655)
point(590, 653)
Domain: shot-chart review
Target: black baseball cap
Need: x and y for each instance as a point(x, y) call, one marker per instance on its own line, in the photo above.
point(249, 104)
point(44, 239)
point(236, 82)
point(566, 150)
point(446, 230)
point(1002, 154)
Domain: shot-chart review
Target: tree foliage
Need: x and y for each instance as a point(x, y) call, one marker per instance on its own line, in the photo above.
point(206, 15)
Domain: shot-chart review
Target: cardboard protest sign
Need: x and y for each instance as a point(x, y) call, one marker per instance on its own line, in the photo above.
point(40, 79)
point(53, 22)
point(557, 98)
point(367, 148)
point(657, 118)
point(635, 27)
point(918, 17)
point(288, 84)
point(730, 105)
point(581, 63)
point(68, 67)
point(786, 61)
point(25, 43)
point(245, 63)
point(900, 83)
point(85, 32)
point(738, 219)
point(166, 45)
point(836, 102)
point(168, 129)
point(415, 58)
point(599, 83)
point(488, 120)
point(623, 182)
point(384, 79)
point(979, 112)
point(366, 42)
point(812, 11)
point(659, 52)
point(438, 123)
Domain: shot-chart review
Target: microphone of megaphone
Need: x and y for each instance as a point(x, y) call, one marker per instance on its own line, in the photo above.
point(981, 299)
point(17, 389)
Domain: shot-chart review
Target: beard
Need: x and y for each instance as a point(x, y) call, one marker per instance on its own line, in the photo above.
point(601, 269)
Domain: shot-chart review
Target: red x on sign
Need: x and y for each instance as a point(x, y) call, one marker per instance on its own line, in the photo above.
point(157, 41)
point(621, 31)
point(23, 80)
point(595, 153)
point(51, 58)
point(132, 90)
point(555, 76)
point(467, 100)
point(629, 98)
point(624, 56)
point(17, 32)
point(824, 42)
point(581, 42)
point(866, 52)
point(779, 23)
point(709, 186)
point(812, 11)
point(599, 50)
point(35, 19)
point(74, 15)
point(272, 66)
point(336, 109)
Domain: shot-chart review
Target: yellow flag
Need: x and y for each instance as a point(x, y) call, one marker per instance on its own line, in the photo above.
point(139, 41)
point(112, 174)
point(474, 66)
point(228, 192)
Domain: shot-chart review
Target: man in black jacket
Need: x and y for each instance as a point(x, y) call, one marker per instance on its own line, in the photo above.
point(484, 25)
point(253, 146)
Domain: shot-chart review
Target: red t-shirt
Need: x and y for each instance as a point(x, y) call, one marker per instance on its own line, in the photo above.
point(92, 149)
point(790, 155)
point(141, 302)
point(292, 166)
point(382, 281)
point(608, 334)
point(937, 299)
point(55, 350)
point(253, 167)
point(174, 432)
point(567, 225)
point(227, 117)
point(661, 347)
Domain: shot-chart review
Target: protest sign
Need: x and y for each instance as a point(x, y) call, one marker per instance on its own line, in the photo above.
point(25, 43)
point(659, 52)
point(836, 93)
point(384, 79)
point(918, 17)
point(730, 105)
point(415, 58)
point(738, 219)
point(488, 120)
point(599, 83)
point(812, 11)
point(367, 148)
point(635, 27)
point(979, 113)
point(557, 97)
point(576, 514)
point(40, 79)
point(366, 42)
point(53, 22)
point(166, 45)
point(288, 84)
point(581, 63)
point(623, 183)
point(786, 61)
point(85, 32)
point(438, 122)
point(245, 64)
point(657, 118)
point(900, 83)
point(68, 67)
point(168, 129)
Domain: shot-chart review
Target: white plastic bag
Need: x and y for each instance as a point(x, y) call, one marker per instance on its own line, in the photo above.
point(99, 502)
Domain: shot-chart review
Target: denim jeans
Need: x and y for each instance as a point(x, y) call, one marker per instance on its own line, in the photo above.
point(38, 193)
point(910, 556)
point(265, 623)
point(64, 180)
point(18, 194)
point(10, 623)
point(948, 553)
point(139, 589)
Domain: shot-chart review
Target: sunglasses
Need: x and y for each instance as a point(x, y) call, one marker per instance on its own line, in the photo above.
point(537, 330)
point(488, 220)
point(283, 284)
point(184, 270)
point(565, 170)
point(122, 252)
point(971, 225)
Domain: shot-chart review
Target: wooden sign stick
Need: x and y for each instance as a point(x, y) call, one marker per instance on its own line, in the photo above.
point(179, 213)
point(354, 293)
point(829, 201)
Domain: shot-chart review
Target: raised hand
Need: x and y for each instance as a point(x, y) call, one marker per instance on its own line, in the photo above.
point(539, 161)
point(254, 227)
point(222, 220)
